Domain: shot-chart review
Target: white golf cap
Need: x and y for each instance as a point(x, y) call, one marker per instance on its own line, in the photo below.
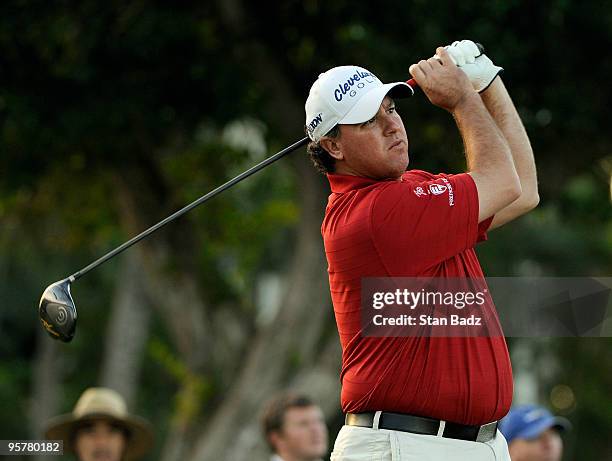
point(347, 95)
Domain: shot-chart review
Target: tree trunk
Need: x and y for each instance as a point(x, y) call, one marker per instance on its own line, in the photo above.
point(127, 332)
point(46, 389)
point(165, 263)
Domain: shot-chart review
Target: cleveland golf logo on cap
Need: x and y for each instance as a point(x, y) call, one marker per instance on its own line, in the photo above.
point(355, 79)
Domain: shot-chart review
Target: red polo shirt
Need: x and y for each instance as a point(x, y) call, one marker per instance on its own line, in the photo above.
point(422, 225)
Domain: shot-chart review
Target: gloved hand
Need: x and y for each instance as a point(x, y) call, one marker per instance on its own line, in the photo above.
point(478, 67)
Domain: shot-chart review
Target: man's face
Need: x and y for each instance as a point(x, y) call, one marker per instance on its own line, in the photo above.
point(547, 447)
point(303, 435)
point(99, 440)
point(375, 149)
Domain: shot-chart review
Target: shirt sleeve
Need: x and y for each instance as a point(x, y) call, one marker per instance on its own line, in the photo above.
point(419, 223)
point(482, 229)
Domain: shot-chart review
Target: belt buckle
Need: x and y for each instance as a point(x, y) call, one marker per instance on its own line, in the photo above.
point(487, 432)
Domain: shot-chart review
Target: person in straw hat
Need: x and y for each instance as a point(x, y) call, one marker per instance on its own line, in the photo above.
point(101, 429)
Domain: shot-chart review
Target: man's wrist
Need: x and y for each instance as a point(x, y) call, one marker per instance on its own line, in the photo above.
point(470, 101)
point(496, 86)
point(496, 95)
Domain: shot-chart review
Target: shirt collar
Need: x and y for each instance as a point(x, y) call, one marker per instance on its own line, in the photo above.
point(341, 183)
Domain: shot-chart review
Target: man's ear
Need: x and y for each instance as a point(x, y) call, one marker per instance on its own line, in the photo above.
point(332, 146)
point(274, 438)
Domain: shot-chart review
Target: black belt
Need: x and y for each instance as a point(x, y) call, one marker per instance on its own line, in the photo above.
point(425, 426)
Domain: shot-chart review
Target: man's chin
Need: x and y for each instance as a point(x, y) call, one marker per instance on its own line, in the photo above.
point(315, 455)
point(316, 450)
point(102, 456)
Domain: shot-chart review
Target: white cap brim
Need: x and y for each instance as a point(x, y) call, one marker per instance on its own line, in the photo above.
point(369, 103)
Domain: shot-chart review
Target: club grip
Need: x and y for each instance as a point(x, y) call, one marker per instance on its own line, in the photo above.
point(414, 85)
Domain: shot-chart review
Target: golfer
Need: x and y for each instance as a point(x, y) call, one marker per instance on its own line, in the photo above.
point(100, 429)
point(424, 398)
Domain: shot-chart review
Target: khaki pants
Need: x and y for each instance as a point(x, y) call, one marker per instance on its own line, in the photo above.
point(366, 444)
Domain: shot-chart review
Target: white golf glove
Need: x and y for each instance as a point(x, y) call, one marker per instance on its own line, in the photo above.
point(478, 67)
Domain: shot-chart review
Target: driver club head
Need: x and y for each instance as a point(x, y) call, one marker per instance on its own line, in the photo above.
point(57, 311)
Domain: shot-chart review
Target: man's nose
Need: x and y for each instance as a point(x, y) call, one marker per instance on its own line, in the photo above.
point(391, 123)
point(101, 438)
point(318, 427)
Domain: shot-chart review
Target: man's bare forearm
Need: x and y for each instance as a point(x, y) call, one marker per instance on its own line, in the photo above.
point(500, 106)
point(488, 157)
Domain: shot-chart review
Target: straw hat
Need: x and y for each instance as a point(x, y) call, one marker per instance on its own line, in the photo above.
point(102, 403)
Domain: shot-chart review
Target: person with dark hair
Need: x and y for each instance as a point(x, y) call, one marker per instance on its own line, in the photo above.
point(101, 429)
point(418, 396)
point(294, 428)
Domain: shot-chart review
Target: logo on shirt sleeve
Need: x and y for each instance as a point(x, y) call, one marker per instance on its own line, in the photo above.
point(420, 192)
point(451, 194)
point(437, 189)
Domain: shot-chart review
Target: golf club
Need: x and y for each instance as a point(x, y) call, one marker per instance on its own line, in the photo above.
point(57, 310)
